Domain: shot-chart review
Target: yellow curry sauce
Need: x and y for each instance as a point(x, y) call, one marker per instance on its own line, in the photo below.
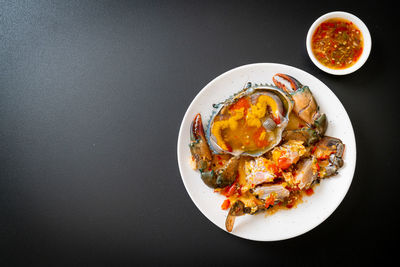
point(240, 127)
point(337, 43)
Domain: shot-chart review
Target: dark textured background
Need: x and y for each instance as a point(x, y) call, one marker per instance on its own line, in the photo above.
point(92, 94)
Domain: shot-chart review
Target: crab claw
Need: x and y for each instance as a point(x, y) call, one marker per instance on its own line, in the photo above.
point(237, 209)
point(221, 177)
point(198, 145)
point(202, 156)
point(332, 149)
point(261, 193)
point(286, 83)
point(305, 106)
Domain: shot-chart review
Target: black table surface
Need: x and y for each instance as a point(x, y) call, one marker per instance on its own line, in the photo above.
point(92, 94)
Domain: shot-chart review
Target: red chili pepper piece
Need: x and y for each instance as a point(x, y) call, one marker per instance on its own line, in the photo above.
point(309, 191)
point(270, 201)
point(226, 204)
point(313, 149)
point(277, 120)
point(284, 163)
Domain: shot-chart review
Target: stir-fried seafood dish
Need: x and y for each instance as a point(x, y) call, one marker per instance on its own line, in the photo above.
point(264, 147)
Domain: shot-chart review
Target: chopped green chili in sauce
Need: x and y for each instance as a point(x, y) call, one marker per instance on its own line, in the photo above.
point(337, 43)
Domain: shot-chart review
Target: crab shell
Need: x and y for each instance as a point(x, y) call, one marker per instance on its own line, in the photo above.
point(283, 100)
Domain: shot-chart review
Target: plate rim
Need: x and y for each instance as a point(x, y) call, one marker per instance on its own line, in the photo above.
point(222, 75)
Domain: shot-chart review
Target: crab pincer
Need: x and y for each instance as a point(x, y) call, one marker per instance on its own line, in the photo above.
point(198, 145)
point(211, 175)
point(237, 209)
point(332, 149)
point(264, 193)
point(305, 106)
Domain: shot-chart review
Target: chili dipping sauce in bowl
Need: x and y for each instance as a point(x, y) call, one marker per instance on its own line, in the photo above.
point(338, 43)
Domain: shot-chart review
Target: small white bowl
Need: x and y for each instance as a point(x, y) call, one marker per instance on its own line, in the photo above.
point(360, 25)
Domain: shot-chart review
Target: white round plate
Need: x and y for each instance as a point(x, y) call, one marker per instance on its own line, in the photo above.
point(283, 224)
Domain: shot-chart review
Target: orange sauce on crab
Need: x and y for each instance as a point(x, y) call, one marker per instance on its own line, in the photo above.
point(337, 43)
point(247, 138)
point(239, 126)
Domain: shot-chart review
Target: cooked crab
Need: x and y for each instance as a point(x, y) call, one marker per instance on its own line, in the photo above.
point(264, 146)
